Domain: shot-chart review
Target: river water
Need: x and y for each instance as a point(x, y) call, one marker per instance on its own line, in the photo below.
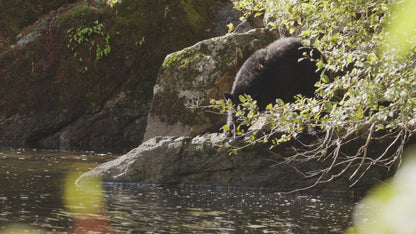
point(31, 199)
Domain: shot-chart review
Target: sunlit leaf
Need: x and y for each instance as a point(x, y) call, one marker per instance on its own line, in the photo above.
point(280, 102)
point(328, 106)
point(325, 78)
point(242, 98)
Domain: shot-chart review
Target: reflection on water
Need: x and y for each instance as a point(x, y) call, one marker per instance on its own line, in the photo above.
point(184, 210)
point(31, 192)
point(31, 186)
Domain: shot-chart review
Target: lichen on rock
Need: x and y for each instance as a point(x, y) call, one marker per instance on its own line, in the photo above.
point(194, 75)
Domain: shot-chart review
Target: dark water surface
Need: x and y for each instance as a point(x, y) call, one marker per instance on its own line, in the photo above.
point(31, 193)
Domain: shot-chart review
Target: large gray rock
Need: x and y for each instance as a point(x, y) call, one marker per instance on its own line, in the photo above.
point(54, 93)
point(197, 161)
point(195, 75)
point(117, 126)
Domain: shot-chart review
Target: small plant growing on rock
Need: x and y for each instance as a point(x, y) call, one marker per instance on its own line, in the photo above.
point(92, 37)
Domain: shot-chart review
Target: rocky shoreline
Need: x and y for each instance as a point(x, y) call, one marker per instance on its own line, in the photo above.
point(198, 161)
point(140, 94)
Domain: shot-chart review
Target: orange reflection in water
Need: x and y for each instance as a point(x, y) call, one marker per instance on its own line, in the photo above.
point(95, 223)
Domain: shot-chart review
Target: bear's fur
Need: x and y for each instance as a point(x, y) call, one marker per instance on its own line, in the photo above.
point(280, 70)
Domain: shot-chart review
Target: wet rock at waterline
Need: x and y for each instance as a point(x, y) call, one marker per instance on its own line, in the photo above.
point(197, 161)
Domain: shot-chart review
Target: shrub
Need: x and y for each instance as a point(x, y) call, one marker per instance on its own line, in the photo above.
point(368, 100)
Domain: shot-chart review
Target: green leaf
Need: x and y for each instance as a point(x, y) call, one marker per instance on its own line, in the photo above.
point(328, 107)
point(242, 98)
point(258, 14)
point(325, 79)
point(280, 102)
point(230, 27)
point(306, 33)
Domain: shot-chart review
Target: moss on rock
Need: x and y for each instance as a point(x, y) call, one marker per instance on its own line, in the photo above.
point(15, 15)
point(43, 74)
point(195, 75)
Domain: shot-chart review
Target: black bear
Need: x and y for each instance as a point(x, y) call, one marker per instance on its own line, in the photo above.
point(283, 69)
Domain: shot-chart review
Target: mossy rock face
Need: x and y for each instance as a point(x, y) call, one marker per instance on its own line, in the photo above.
point(195, 75)
point(15, 15)
point(107, 98)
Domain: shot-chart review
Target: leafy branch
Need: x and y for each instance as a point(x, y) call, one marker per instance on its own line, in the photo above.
point(363, 113)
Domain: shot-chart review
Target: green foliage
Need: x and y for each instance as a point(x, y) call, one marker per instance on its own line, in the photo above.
point(111, 3)
point(230, 27)
point(366, 85)
point(45, 75)
point(250, 6)
point(92, 37)
point(368, 91)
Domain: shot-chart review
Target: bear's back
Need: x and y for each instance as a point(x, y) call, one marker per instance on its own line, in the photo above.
point(279, 70)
